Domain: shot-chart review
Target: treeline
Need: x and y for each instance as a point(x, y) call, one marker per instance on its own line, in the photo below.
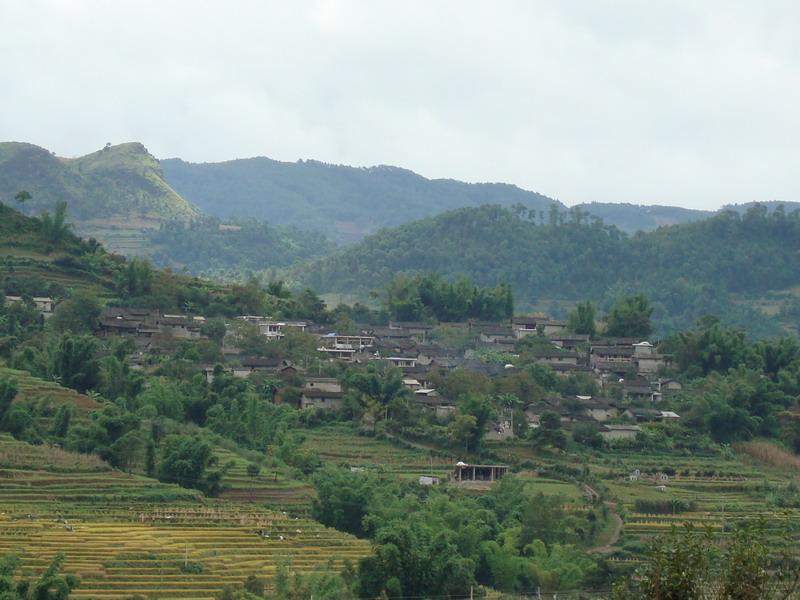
point(430, 296)
point(687, 270)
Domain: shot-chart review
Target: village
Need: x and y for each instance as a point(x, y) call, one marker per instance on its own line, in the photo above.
point(626, 370)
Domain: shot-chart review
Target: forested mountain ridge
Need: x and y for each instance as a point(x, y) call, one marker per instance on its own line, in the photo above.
point(717, 265)
point(346, 203)
point(112, 194)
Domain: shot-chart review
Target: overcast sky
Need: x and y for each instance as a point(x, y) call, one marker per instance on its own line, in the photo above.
point(691, 103)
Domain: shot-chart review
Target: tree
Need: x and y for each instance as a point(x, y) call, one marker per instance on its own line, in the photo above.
point(54, 227)
point(629, 316)
point(549, 432)
point(22, 196)
point(187, 461)
point(581, 319)
point(77, 314)
point(75, 363)
point(690, 566)
point(8, 391)
point(51, 585)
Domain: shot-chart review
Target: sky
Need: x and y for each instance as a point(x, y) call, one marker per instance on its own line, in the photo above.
point(689, 103)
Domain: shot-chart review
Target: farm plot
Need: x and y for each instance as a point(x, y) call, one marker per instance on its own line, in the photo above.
point(176, 552)
point(342, 445)
point(270, 487)
point(127, 534)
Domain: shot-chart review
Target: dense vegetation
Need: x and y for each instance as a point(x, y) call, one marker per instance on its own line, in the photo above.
point(687, 270)
point(234, 250)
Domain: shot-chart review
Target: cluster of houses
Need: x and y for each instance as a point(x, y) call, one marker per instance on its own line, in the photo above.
point(44, 304)
point(625, 369)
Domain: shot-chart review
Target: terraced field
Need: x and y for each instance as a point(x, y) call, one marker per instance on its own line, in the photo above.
point(32, 388)
point(127, 534)
point(270, 487)
point(341, 444)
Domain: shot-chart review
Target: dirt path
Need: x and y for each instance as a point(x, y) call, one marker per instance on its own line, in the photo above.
point(609, 546)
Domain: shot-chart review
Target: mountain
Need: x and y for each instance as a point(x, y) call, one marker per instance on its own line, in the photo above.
point(345, 203)
point(728, 265)
point(112, 194)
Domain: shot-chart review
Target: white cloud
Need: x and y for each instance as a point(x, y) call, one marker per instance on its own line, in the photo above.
point(659, 102)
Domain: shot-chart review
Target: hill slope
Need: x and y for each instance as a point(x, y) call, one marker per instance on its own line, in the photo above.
point(345, 203)
point(720, 265)
point(112, 194)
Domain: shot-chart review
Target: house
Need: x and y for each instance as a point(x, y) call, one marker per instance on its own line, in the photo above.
point(523, 326)
point(412, 383)
point(403, 361)
point(668, 386)
point(464, 472)
point(553, 327)
point(569, 342)
point(650, 364)
point(430, 401)
point(639, 390)
point(498, 335)
point(600, 409)
point(668, 415)
point(357, 342)
point(611, 354)
point(338, 352)
point(642, 415)
point(619, 432)
point(413, 328)
point(327, 384)
point(317, 398)
point(556, 356)
point(427, 354)
point(643, 349)
point(44, 304)
point(273, 329)
point(180, 326)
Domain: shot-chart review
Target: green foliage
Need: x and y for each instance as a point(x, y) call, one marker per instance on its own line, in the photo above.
point(77, 314)
point(188, 461)
point(51, 584)
point(691, 566)
point(8, 391)
point(430, 296)
point(54, 227)
point(629, 316)
point(581, 319)
point(208, 248)
point(549, 434)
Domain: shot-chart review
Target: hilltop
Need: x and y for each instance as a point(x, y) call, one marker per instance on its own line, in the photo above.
point(112, 194)
point(725, 265)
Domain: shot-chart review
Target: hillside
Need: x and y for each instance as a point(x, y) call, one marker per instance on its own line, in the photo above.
point(633, 217)
point(346, 203)
point(722, 265)
point(112, 194)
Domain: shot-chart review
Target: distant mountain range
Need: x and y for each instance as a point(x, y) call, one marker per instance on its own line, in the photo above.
point(349, 203)
point(345, 203)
